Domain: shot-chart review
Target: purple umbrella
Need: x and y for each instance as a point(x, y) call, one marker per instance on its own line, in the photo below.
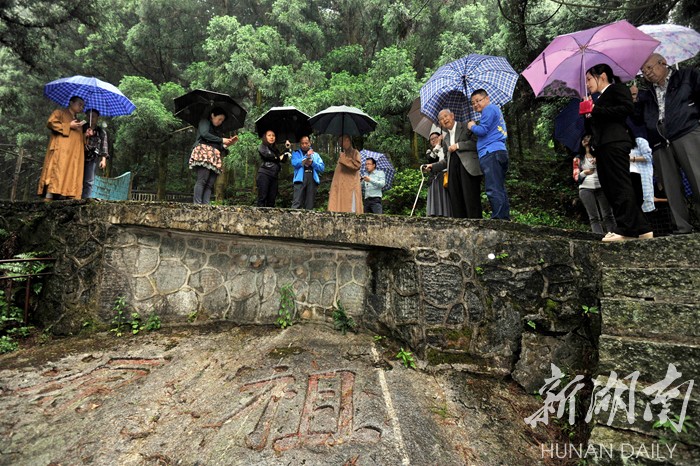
point(561, 68)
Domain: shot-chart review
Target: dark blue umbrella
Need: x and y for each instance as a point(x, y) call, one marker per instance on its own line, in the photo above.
point(383, 164)
point(451, 86)
point(569, 126)
point(98, 95)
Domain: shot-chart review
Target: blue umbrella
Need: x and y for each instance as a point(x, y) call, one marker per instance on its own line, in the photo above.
point(98, 95)
point(383, 164)
point(451, 86)
point(569, 126)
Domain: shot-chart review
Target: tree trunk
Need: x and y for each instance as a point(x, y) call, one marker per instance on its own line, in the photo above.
point(162, 172)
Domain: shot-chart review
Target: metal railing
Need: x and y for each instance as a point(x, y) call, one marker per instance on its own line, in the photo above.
point(11, 277)
point(150, 196)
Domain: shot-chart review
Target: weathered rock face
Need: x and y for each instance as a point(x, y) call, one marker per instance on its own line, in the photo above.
point(474, 294)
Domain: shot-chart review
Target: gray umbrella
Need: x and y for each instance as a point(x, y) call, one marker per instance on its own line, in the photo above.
point(420, 123)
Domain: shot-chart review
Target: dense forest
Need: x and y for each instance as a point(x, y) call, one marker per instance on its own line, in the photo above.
point(372, 54)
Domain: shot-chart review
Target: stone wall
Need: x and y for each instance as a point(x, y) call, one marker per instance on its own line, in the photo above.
point(492, 297)
point(223, 277)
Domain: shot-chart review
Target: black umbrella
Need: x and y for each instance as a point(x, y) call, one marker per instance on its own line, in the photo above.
point(197, 104)
point(288, 123)
point(343, 120)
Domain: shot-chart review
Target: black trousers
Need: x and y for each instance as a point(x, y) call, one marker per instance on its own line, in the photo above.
point(613, 162)
point(464, 190)
point(305, 192)
point(267, 190)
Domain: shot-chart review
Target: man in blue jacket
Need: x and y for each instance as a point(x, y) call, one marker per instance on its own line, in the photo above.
point(491, 136)
point(670, 110)
point(308, 165)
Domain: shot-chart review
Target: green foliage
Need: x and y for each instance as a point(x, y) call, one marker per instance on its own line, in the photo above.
point(406, 358)
point(399, 199)
point(7, 344)
point(589, 310)
point(342, 321)
point(124, 321)
point(192, 316)
point(120, 322)
point(532, 324)
point(669, 425)
point(11, 315)
point(479, 270)
point(287, 310)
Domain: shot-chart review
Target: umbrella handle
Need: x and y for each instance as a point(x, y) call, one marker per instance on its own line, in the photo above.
point(422, 180)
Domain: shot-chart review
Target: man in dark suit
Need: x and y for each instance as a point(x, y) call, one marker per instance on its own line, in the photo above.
point(463, 171)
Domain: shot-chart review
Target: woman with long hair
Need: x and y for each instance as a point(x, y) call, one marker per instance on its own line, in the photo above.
point(612, 142)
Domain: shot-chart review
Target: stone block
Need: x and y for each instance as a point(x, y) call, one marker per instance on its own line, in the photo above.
point(241, 288)
point(322, 270)
point(170, 276)
point(653, 284)
point(206, 280)
point(649, 403)
point(442, 284)
point(631, 317)
point(456, 315)
point(615, 447)
point(651, 358)
point(406, 278)
point(146, 263)
point(434, 315)
point(539, 352)
point(352, 297)
point(407, 309)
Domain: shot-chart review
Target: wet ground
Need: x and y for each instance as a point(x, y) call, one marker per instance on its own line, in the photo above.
point(214, 395)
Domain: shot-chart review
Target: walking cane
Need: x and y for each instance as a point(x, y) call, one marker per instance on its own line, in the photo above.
point(422, 174)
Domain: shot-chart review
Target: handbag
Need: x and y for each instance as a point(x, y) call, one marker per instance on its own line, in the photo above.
point(444, 180)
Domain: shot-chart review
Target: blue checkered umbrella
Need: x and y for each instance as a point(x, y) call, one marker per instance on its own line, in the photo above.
point(451, 86)
point(383, 164)
point(98, 95)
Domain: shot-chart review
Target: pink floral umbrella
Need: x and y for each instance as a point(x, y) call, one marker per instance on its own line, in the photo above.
point(678, 43)
point(561, 68)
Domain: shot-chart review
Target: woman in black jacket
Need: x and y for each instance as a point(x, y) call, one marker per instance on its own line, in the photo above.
point(268, 173)
point(612, 142)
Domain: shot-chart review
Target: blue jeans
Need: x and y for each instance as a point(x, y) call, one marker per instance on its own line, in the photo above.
point(495, 166)
point(89, 176)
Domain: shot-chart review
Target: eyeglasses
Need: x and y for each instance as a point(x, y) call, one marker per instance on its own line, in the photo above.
point(646, 69)
point(478, 101)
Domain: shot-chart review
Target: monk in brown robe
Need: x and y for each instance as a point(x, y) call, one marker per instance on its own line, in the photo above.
point(62, 174)
point(346, 193)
